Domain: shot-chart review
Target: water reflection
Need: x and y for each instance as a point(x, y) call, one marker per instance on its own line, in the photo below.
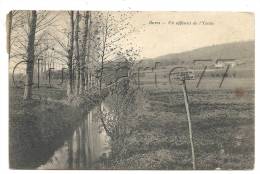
point(88, 143)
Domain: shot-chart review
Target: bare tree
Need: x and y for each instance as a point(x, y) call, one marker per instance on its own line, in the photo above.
point(77, 55)
point(10, 22)
point(70, 53)
point(110, 39)
point(110, 46)
point(30, 57)
point(88, 72)
point(84, 53)
point(11, 25)
point(66, 50)
point(19, 37)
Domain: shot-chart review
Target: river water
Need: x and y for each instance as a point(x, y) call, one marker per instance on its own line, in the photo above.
point(88, 144)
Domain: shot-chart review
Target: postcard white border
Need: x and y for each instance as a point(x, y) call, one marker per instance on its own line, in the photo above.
point(117, 5)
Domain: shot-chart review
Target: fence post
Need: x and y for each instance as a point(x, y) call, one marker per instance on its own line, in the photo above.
point(38, 80)
point(189, 122)
point(50, 76)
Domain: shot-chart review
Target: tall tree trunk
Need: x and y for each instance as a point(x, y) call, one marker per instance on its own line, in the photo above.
point(10, 22)
point(70, 54)
point(77, 53)
point(103, 54)
point(88, 79)
point(83, 57)
point(30, 57)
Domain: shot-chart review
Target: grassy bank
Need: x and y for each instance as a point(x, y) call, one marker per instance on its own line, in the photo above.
point(38, 127)
point(223, 130)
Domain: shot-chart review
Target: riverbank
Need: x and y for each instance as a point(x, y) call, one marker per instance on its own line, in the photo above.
point(40, 126)
point(151, 131)
point(223, 127)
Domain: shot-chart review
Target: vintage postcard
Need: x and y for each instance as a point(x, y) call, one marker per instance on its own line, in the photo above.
point(131, 90)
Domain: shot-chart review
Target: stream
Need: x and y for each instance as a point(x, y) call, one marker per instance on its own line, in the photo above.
point(88, 144)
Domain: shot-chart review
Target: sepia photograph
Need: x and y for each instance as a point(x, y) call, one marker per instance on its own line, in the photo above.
point(131, 90)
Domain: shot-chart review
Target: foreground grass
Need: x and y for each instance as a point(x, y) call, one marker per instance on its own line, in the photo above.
point(222, 121)
point(223, 130)
point(38, 127)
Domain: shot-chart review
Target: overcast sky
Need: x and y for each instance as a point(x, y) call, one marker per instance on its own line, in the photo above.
point(165, 38)
point(159, 34)
point(168, 37)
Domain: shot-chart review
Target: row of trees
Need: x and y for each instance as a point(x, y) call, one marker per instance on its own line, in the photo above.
point(28, 41)
point(91, 46)
point(84, 42)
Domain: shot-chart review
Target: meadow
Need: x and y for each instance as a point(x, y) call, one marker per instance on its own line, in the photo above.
point(222, 124)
